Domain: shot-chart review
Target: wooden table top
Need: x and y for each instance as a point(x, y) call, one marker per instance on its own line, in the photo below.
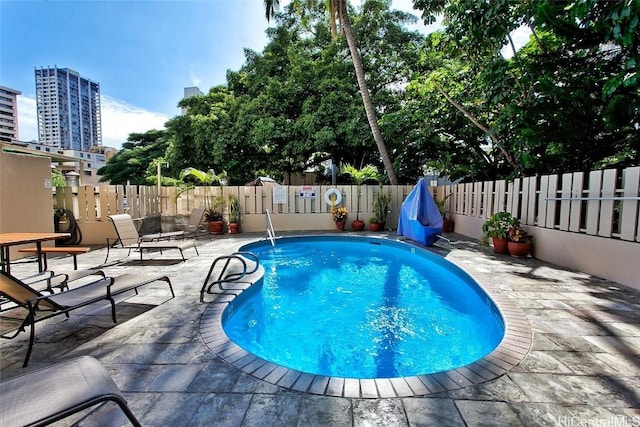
point(10, 239)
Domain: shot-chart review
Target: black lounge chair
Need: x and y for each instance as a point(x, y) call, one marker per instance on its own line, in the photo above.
point(129, 238)
point(49, 394)
point(40, 307)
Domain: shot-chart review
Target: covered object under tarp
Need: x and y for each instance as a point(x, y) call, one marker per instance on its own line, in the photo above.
point(420, 219)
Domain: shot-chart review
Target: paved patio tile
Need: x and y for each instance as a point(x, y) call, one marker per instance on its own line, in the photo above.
point(221, 409)
point(583, 367)
point(490, 414)
point(545, 388)
point(282, 409)
point(379, 412)
point(432, 412)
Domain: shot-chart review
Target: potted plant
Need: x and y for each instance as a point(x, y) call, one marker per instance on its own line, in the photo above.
point(234, 213)
point(213, 215)
point(380, 204)
point(340, 215)
point(519, 241)
point(497, 227)
point(375, 224)
point(359, 176)
point(443, 207)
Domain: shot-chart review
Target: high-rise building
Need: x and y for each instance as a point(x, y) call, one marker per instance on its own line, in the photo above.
point(68, 109)
point(188, 93)
point(8, 114)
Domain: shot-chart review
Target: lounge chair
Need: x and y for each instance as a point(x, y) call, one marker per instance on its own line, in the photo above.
point(49, 394)
point(194, 227)
point(129, 238)
point(40, 306)
point(49, 280)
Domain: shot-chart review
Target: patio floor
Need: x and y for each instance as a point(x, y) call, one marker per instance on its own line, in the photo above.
point(583, 368)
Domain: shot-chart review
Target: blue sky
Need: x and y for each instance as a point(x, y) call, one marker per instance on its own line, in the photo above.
point(143, 53)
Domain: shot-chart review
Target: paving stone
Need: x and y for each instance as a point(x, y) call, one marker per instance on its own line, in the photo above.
point(221, 409)
point(432, 412)
point(321, 411)
point(379, 412)
point(542, 362)
point(544, 388)
point(280, 410)
point(490, 414)
point(214, 377)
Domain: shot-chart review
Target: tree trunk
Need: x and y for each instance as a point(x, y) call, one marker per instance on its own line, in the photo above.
point(366, 98)
point(479, 125)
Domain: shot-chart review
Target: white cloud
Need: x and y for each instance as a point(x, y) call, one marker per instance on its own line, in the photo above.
point(119, 119)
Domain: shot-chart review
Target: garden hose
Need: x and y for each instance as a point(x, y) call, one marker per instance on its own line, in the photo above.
point(71, 227)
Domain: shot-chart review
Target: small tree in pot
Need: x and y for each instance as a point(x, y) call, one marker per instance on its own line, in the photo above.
point(497, 227)
point(358, 176)
point(234, 213)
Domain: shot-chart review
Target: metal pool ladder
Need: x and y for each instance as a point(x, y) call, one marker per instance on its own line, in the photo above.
point(233, 276)
point(271, 235)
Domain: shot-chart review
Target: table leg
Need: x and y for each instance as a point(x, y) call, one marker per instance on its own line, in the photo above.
point(39, 254)
point(5, 262)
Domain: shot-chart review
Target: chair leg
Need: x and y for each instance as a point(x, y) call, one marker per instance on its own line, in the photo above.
point(113, 309)
point(125, 408)
point(166, 279)
point(32, 337)
point(108, 247)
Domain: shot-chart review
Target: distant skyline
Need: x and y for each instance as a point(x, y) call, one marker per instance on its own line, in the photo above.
point(142, 53)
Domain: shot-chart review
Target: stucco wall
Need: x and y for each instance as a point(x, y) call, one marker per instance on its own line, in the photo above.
point(25, 195)
point(612, 259)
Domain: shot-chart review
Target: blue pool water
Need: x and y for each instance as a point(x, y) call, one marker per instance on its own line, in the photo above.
point(362, 308)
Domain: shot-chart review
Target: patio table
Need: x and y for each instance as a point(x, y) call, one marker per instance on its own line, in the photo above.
point(12, 239)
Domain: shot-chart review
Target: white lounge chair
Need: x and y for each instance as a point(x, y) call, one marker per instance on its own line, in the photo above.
point(129, 238)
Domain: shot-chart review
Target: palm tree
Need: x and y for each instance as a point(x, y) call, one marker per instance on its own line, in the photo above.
point(338, 12)
point(358, 176)
point(208, 178)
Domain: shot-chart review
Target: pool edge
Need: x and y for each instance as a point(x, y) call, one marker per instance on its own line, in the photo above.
point(512, 349)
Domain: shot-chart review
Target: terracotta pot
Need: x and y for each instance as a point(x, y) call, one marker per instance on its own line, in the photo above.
point(216, 226)
point(447, 225)
point(500, 245)
point(357, 225)
point(519, 249)
point(375, 226)
point(340, 225)
point(234, 227)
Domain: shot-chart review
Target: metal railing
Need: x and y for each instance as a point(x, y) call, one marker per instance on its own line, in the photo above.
point(235, 276)
point(271, 234)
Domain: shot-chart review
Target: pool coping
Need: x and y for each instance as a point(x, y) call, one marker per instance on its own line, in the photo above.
point(513, 348)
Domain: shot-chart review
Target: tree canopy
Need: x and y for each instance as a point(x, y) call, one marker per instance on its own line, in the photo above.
point(451, 101)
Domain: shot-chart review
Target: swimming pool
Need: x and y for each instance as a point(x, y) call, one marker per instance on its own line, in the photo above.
point(362, 308)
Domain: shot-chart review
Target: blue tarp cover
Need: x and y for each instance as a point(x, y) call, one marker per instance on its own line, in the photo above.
point(420, 219)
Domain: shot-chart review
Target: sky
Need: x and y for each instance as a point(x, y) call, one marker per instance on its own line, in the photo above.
point(142, 53)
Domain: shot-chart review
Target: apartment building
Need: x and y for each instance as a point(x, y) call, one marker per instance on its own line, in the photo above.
point(68, 108)
point(9, 114)
point(79, 166)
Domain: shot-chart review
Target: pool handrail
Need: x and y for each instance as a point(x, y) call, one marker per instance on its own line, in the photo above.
point(232, 277)
point(271, 234)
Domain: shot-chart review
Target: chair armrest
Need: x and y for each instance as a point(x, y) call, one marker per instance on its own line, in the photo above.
point(52, 279)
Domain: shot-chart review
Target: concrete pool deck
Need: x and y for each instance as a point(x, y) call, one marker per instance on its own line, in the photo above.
point(583, 367)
